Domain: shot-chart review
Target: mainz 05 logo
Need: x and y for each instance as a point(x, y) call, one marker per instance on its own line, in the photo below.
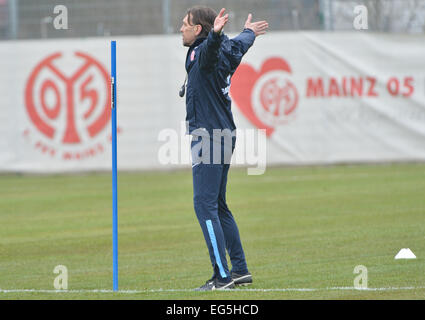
point(271, 97)
point(267, 97)
point(67, 98)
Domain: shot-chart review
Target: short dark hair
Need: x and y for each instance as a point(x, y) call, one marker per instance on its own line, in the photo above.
point(203, 16)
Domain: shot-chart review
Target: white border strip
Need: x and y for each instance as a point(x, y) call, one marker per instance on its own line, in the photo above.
point(192, 290)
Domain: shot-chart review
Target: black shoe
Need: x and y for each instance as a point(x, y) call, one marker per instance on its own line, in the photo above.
point(242, 279)
point(214, 284)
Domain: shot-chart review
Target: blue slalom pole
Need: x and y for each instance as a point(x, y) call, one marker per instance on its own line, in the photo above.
point(114, 166)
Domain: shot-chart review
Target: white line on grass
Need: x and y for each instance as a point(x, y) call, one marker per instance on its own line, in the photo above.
point(192, 290)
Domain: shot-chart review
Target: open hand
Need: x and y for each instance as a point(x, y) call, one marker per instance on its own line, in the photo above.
point(258, 27)
point(220, 21)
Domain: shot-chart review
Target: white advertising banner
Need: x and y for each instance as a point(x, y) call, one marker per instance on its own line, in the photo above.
point(320, 98)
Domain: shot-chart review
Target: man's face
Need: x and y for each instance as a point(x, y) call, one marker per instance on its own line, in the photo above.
point(189, 31)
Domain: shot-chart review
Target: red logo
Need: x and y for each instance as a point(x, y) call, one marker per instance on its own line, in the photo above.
point(268, 97)
point(68, 100)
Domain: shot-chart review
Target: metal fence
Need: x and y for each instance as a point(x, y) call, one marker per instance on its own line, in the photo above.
point(33, 19)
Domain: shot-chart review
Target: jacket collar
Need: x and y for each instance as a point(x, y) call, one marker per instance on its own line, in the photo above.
point(196, 43)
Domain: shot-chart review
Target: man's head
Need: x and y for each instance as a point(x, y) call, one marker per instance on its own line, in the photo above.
point(197, 23)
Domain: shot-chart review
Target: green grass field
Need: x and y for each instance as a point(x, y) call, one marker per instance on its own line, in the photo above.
point(302, 228)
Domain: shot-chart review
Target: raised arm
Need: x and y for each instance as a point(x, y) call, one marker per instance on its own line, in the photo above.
point(209, 51)
point(258, 27)
point(220, 21)
point(239, 45)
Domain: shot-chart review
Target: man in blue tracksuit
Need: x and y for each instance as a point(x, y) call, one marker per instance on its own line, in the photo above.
point(211, 61)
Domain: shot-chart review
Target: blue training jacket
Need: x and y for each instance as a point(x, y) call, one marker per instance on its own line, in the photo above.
point(210, 64)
